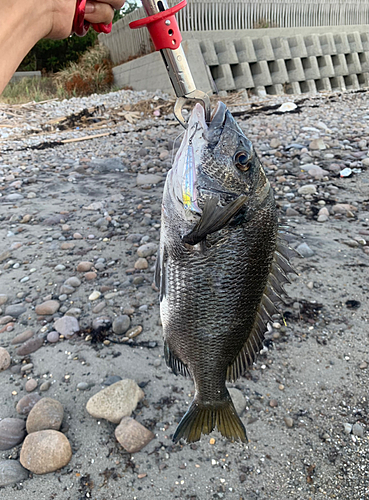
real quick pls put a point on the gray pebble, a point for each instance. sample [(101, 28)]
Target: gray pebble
[(12, 432), (288, 421), (112, 379), (67, 326), (59, 267), (121, 324), (358, 430), (67, 289), (45, 386), (99, 307), (304, 250), (53, 337), (83, 386), (15, 310), (11, 472), (73, 281), (347, 428)]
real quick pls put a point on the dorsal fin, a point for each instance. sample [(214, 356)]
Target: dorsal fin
[(273, 295)]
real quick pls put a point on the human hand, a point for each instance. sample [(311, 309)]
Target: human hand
[(97, 11)]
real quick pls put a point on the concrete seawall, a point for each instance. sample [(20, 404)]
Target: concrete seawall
[(266, 61)]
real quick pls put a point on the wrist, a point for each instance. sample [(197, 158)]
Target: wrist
[(22, 24)]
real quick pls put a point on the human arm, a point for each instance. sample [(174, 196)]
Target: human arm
[(24, 22)]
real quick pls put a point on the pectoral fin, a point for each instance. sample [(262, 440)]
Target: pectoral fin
[(213, 219)]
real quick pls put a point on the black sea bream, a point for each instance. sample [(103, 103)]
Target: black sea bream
[(220, 267)]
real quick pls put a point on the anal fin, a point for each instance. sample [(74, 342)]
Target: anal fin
[(174, 363)]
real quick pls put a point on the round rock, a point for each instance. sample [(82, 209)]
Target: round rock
[(46, 414), (121, 324), (32, 345), (15, 310), (147, 250), (4, 359), (11, 472), (31, 385), (132, 435), (53, 337), (47, 308), (45, 451), (3, 299), (12, 432), (22, 337), (67, 326), (116, 401), (73, 281), (26, 404), (141, 263), (84, 266)]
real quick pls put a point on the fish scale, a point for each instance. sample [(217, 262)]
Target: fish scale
[(217, 269)]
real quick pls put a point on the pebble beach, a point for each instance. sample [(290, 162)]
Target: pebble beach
[(87, 405)]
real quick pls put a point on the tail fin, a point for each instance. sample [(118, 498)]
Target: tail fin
[(203, 418)]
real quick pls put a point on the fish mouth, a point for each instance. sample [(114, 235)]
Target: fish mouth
[(216, 126)]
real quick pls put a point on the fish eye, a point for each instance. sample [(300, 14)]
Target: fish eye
[(242, 161)]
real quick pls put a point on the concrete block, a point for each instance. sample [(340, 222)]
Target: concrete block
[(242, 76), (337, 83), (149, 73), (364, 61), (354, 41), (263, 49), (327, 44), (278, 71), (363, 79), (276, 89), (323, 85), (223, 77), (281, 48), (352, 82), (208, 52), (295, 70), (365, 41), (19, 75), (353, 63), (292, 88), (311, 68), (260, 74), (260, 91), (325, 66), (308, 87), (342, 43), (340, 65), (226, 52), (312, 44), (297, 46), (245, 50)]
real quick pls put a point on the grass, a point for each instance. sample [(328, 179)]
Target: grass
[(92, 74)]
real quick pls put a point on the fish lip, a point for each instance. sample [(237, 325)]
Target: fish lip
[(217, 124)]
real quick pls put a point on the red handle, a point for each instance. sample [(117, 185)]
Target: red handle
[(163, 27), (80, 26)]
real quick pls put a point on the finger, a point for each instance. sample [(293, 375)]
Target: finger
[(116, 4), (99, 12)]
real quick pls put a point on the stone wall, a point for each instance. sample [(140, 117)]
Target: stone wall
[(268, 61)]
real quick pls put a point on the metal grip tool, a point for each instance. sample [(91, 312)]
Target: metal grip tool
[(165, 34)]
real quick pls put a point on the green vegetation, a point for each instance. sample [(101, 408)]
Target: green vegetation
[(51, 56), (92, 73)]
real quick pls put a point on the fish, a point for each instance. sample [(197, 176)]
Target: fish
[(221, 267)]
